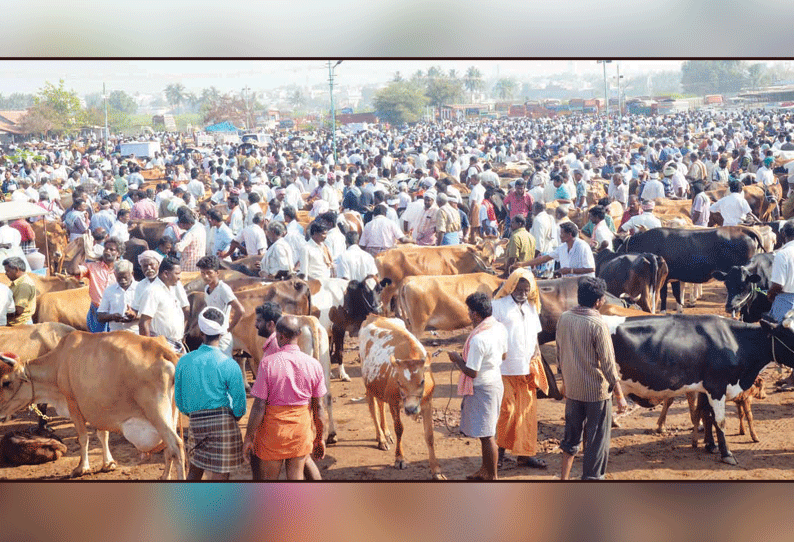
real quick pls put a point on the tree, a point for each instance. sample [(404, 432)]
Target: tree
[(443, 90), (758, 75), (434, 72), (397, 77), (228, 107), (505, 88), (54, 109), (297, 99), (175, 94), (37, 121), (192, 101), (473, 80), (209, 95), (16, 101), (709, 76), (123, 102), (399, 102), (453, 73)]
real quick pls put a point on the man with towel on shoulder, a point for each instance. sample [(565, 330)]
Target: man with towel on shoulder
[(517, 305), (209, 388)]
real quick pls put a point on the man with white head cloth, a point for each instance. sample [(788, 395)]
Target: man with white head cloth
[(209, 388)]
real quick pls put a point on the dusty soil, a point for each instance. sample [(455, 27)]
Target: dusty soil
[(637, 453)]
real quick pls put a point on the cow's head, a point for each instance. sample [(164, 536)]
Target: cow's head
[(782, 336), (410, 375), (16, 390), (363, 298), (492, 248), (740, 284), (480, 265)]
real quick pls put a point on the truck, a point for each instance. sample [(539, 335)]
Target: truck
[(140, 148), (713, 99)]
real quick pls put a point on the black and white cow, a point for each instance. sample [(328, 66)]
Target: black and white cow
[(661, 357), (692, 255), (746, 285)]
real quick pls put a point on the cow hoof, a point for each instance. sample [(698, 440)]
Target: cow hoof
[(401, 464), (389, 438), (383, 446), (439, 476), (729, 459), (710, 448), (756, 439), (109, 467), (660, 430), (331, 439), (79, 471)]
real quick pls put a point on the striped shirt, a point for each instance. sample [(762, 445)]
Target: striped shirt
[(585, 355)]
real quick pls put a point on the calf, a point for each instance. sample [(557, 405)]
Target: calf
[(660, 358), (360, 300), (396, 370), (638, 276), (68, 307), (26, 448), (747, 286)]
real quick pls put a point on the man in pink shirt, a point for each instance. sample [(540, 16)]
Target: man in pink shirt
[(143, 208), (518, 201), (100, 275), (288, 394)]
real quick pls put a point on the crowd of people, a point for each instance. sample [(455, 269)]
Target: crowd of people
[(431, 184)]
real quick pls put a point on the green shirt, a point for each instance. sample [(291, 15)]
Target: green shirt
[(24, 291), (521, 245), (120, 186)]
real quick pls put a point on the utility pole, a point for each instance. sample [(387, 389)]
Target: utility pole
[(333, 110), (606, 92), (247, 115), (620, 107), (107, 134)]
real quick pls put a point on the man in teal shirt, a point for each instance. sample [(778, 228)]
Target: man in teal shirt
[(209, 388), (120, 185)]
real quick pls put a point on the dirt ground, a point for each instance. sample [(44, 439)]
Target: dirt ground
[(637, 453)]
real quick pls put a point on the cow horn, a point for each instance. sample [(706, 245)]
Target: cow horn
[(8, 361)]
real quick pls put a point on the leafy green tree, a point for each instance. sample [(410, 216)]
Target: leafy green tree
[(209, 95), (443, 90), (175, 94), (505, 88), (123, 102), (397, 77), (434, 72), (60, 107), (710, 76), (16, 101), (400, 102), (473, 80), (297, 99), (758, 75)]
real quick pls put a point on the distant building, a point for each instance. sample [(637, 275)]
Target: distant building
[(10, 125)]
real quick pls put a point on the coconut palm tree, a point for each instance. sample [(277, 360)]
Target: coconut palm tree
[(175, 94), (473, 80)]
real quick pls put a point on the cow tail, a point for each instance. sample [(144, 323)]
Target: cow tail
[(402, 306), (654, 280)]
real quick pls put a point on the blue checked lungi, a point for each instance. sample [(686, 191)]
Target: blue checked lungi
[(94, 325)]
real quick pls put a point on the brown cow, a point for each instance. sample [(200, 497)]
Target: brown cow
[(149, 230), (438, 302), (49, 284), (68, 307), (235, 280), (56, 242), (396, 370), (27, 448), (412, 260), (115, 381)]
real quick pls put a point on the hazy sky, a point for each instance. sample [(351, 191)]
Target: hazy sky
[(150, 76)]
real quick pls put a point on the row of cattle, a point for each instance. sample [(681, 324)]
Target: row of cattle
[(422, 301)]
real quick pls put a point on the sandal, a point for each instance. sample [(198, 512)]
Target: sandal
[(532, 462)]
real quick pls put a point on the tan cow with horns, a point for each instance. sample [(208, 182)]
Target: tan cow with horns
[(115, 381)]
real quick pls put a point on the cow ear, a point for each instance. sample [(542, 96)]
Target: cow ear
[(385, 282), (754, 278), (719, 275), (767, 326)]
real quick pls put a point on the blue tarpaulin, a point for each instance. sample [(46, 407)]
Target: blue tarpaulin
[(224, 126)]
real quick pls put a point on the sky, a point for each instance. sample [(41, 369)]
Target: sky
[(152, 76)]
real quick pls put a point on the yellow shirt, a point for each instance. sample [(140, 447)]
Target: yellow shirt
[(24, 291), (521, 245)]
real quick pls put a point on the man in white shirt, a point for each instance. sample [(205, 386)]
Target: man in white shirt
[(253, 208), (733, 207), (7, 305), (278, 261), (653, 188), (164, 307), (643, 221), (517, 428), (380, 233), (573, 254), (602, 235), (316, 261), (116, 305), (354, 263), (544, 230), (252, 237), (781, 290), (488, 177)]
